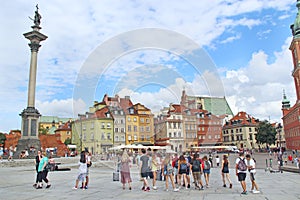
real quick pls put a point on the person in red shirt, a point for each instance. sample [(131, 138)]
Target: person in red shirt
[(290, 157)]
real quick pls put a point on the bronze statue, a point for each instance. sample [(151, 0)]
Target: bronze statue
[(37, 17)]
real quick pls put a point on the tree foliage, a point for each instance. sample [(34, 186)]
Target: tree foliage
[(68, 141), (43, 131), (266, 133), (2, 138)]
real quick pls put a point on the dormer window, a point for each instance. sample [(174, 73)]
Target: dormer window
[(107, 115), (131, 111)]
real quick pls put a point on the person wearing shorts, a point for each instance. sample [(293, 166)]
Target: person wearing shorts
[(144, 165), (251, 168), (241, 174), (196, 168), (182, 171)]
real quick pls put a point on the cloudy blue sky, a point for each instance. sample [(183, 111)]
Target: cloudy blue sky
[(90, 44)]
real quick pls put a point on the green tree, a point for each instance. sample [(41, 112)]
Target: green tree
[(2, 138), (68, 141), (266, 133), (43, 131)]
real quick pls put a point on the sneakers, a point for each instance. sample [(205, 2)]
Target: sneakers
[(74, 188), (154, 188), (255, 191), (86, 187), (230, 186), (48, 186), (166, 190), (224, 185), (202, 188), (244, 193), (147, 189), (188, 186), (143, 188), (176, 190), (39, 187)]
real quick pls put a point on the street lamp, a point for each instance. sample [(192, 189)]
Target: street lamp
[(278, 129)]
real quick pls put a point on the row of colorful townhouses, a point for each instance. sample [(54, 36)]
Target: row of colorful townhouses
[(195, 121)]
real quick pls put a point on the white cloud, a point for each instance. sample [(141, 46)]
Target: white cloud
[(61, 108), (76, 28), (262, 93)]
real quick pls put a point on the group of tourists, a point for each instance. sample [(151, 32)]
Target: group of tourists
[(43, 165), (85, 163), (175, 170), (41, 161), (179, 170), (244, 164)]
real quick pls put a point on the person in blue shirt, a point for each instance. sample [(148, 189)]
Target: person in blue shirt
[(43, 172)]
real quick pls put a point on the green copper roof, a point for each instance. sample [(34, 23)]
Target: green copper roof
[(296, 26), (217, 105), (52, 130), (49, 119)]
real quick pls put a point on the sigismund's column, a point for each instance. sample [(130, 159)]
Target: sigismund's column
[(30, 115)]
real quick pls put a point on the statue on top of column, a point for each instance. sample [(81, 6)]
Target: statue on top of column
[(37, 17)]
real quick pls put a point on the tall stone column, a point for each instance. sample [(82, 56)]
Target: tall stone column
[(30, 115)]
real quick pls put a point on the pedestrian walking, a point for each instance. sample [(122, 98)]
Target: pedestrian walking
[(88, 164), (82, 171), (154, 168), (225, 171), (251, 168), (175, 168), (138, 162), (167, 172), (10, 153), (217, 160), (1, 153), (37, 159), (43, 172), (144, 165), (241, 171), (197, 171), (188, 159), (206, 170), (125, 170), (182, 171)]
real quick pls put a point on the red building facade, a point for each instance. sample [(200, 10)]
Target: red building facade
[(291, 115)]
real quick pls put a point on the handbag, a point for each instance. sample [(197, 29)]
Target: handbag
[(48, 167)]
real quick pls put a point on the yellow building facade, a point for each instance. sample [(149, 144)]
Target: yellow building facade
[(139, 125)]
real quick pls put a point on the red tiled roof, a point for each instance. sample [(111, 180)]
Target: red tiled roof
[(101, 113), (125, 104), (65, 127), (245, 119)]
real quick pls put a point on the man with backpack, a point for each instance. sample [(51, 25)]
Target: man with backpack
[(175, 168), (196, 168), (241, 171)]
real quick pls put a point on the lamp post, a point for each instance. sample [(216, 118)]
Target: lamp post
[(278, 129)]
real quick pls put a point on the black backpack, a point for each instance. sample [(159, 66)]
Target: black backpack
[(196, 165)]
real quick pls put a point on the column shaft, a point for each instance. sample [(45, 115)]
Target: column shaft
[(32, 79)]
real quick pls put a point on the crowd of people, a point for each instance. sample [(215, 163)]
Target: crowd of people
[(181, 171), (185, 170)]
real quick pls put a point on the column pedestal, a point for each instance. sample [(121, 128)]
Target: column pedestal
[(30, 131)]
